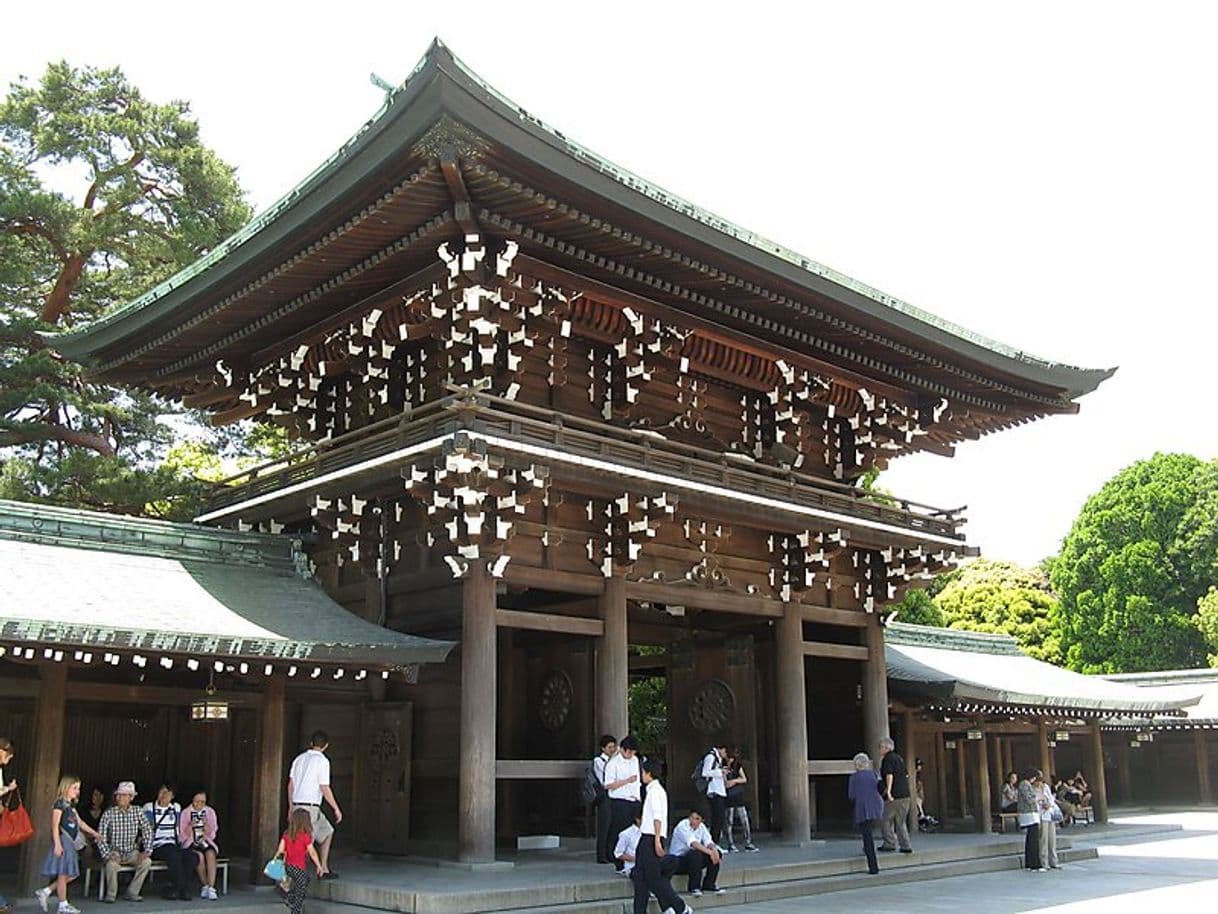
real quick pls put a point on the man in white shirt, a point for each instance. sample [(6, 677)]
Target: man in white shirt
[(627, 847), (623, 783), (697, 854), (715, 773), (652, 871), (604, 815), (308, 785)]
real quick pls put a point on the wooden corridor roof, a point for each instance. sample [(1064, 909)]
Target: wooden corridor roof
[(447, 154), (83, 580)]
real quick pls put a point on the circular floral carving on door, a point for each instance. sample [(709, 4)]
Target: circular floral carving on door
[(712, 707), (556, 697)]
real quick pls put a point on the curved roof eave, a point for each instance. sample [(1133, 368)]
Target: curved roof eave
[(442, 84)]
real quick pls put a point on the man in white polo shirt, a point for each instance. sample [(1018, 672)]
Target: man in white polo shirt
[(653, 868), (697, 854), (308, 784)]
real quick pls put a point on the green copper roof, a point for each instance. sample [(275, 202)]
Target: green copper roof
[(79, 579), (82, 344)]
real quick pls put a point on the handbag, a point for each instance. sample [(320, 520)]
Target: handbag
[(274, 870), (15, 825), (1055, 814)]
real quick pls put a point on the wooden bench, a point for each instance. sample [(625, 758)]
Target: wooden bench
[(1007, 818), (158, 866)]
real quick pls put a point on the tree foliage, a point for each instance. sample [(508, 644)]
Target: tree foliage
[(1207, 621), (1141, 555), (103, 193), (991, 596)]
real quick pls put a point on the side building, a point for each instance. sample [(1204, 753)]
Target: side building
[(556, 413)]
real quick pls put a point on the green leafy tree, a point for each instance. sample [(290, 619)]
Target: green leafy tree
[(1141, 555), (1207, 621), (103, 193), (991, 596)]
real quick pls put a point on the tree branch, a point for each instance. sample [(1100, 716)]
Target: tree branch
[(58, 433)]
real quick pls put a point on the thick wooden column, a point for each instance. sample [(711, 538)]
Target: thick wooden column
[(612, 661), (961, 782), (875, 688), (984, 799), (1008, 757), (997, 775), (1043, 750), (910, 750), (46, 759), (940, 777), (1124, 781), (269, 793), (476, 767), (1099, 783), (792, 726), (1205, 789)]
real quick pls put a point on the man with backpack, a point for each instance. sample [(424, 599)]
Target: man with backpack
[(709, 777), (594, 794)]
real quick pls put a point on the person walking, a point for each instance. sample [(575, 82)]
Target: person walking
[(623, 781), (653, 868), (124, 839), (62, 864), (1028, 810), (162, 814), (296, 848), (1050, 815), (895, 778), (308, 785), (863, 791), (604, 812)]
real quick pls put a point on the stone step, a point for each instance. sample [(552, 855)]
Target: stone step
[(744, 886)]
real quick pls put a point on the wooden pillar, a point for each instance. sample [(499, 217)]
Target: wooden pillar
[(476, 767), (1124, 781), (910, 750), (612, 662), (1043, 750), (1205, 789), (984, 800), (46, 759), (269, 792), (961, 783), (792, 726), (875, 689), (1008, 757), (1099, 784), (997, 775), (940, 777)]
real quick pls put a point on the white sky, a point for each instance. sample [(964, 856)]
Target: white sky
[(1043, 173)]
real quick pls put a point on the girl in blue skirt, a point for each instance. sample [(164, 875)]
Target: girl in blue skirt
[(62, 864)]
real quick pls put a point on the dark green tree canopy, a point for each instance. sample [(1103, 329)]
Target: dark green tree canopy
[(103, 193), (1142, 553)]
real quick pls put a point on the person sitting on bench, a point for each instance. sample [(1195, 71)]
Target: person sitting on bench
[(162, 814), (124, 839)]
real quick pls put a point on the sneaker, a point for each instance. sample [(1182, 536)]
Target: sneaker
[(330, 875), (68, 908), (1042, 870), (907, 850), (203, 892), (129, 897), (211, 893), (751, 848), (697, 893), (41, 896)]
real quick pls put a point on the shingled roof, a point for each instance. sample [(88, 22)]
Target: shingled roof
[(84, 580)]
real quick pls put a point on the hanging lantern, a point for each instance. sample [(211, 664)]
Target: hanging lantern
[(209, 709)]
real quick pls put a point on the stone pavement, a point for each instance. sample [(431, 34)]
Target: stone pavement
[(1175, 871)]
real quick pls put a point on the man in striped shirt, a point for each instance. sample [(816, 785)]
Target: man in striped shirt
[(163, 814)]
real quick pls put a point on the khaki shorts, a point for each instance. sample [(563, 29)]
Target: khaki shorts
[(322, 829)]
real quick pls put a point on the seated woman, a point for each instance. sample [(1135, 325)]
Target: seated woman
[(737, 807), (1065, 795), (1010, 793), (197, 830), (91, 812), (1080, 784)]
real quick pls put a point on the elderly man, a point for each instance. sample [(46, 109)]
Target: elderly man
[(894, 778), (698, 857), (124, 839)]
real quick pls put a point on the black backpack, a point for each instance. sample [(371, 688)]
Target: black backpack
[(700, 782), (590, 788)]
